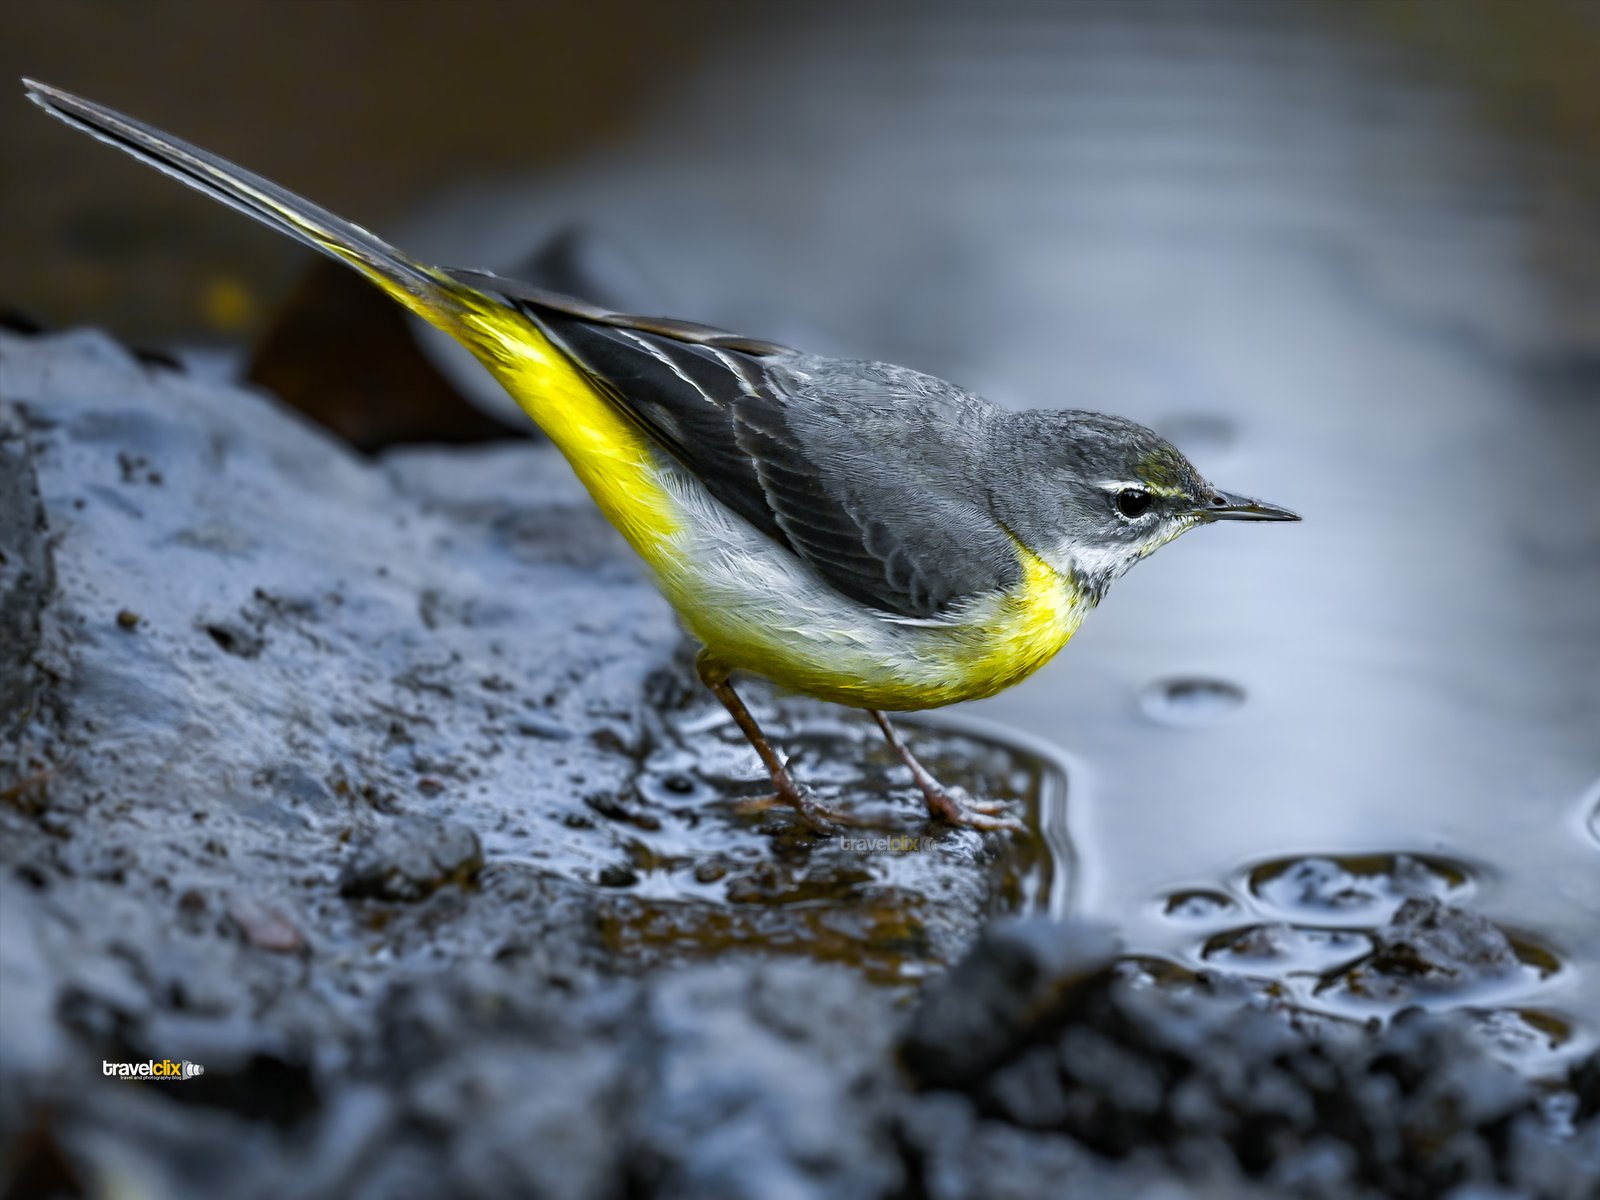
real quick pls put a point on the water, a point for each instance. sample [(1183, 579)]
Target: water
[(1307, 257)]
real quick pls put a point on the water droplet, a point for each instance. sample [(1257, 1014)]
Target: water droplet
[(1190, 702), (1197, 905), (671, 789)]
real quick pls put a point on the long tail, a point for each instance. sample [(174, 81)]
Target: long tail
[(425, 290), (486, 314)]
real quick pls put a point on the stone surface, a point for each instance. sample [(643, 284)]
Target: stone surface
[(304, 745), (410, 858), (25, 573), (1229, 1095)]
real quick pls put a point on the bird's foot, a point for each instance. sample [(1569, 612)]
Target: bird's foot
[(947, 804), (812, 813), (953, 805)]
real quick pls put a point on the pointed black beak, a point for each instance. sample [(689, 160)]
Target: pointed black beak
[(1223, 506)]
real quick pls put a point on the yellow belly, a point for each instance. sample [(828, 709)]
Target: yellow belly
[(836, 650), (752, 604)]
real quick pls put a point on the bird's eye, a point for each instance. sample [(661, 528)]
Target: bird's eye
[(1132, 503)]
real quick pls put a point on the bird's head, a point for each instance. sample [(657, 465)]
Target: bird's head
[(1093, 494)]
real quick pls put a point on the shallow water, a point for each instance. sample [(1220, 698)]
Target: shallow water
[(1306, 256), (706, 867)]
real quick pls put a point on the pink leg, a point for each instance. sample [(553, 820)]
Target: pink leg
[(944, 803)]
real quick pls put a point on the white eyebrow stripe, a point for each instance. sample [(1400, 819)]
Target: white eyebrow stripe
[(661, 356), (1129, 485)]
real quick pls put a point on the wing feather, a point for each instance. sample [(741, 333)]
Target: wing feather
[(824, 467)]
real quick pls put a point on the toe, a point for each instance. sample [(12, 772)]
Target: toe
[(987, 808), (819, 819), (957, 808), (984, 821), (994, 824), (758, 804), (816, 815)]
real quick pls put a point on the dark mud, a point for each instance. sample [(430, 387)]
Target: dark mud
[(380, 792)]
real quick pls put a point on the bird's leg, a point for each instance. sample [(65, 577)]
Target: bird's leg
[(796, 795), (949, 804)]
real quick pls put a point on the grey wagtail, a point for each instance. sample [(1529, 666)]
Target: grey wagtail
[(854, 531)]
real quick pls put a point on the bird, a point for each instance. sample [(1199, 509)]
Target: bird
[(855, 531)]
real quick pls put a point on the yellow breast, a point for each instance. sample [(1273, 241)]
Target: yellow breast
[(1029, 627)]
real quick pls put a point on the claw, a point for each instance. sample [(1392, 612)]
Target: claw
[(954, 806)]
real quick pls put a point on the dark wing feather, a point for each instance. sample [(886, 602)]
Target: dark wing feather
[(838, 472)]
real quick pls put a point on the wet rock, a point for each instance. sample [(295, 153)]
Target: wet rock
[(289, 695), (1020, 971), (411, 857), (1429, 938), (520, 1119), (25, 573), (1586, 1086), (715, 1081), (265, 927), (1353, 885), (767, 1084), (1430, 946), (956, 1154), (31, 1040), (1229, 1095)]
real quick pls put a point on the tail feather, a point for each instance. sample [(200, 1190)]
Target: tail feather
[(424, 289), (493, 318)]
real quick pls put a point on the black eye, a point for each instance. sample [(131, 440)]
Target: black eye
[(1132, 503)]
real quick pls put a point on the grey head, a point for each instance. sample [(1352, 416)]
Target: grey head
[(1093, 494)]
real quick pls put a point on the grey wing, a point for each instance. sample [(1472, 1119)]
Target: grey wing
[(866, 472)]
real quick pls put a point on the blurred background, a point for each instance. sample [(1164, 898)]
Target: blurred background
[(1346, 254)]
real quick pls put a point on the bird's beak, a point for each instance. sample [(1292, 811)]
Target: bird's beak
[(1224, 506)]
